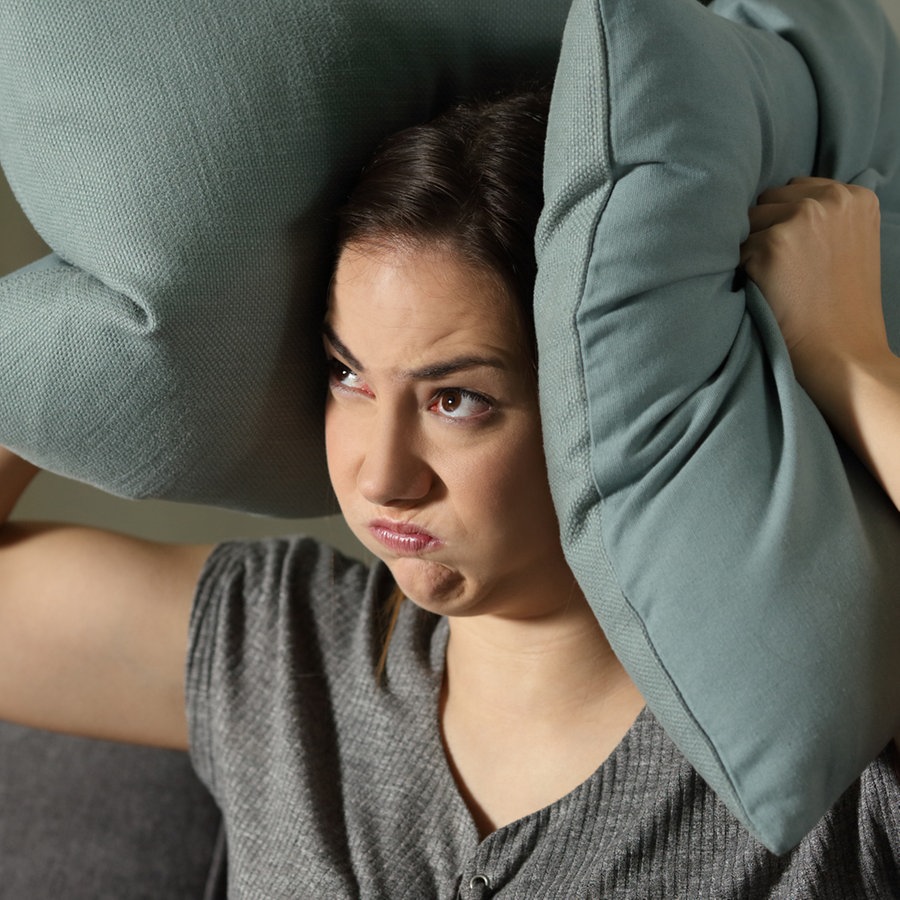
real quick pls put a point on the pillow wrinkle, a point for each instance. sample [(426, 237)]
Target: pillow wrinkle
[(189, 158), (740, 564)]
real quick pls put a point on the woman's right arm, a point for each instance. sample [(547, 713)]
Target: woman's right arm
[(814, 251), (93, 626)]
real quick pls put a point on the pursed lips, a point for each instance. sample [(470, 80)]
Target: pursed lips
[(403, 538)]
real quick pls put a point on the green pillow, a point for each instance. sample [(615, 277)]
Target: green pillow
[(744, 566), (183, 161)]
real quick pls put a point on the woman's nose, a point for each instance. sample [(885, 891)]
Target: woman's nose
[(393, 470)]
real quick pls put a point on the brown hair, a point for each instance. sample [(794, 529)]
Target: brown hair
[(470, 179)]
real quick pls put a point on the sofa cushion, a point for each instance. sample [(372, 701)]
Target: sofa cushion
[(91, 820)]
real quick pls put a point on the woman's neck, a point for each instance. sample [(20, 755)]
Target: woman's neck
[(530, 708), (539, 667)]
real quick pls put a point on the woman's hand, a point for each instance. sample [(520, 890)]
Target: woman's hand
[(814, 251)]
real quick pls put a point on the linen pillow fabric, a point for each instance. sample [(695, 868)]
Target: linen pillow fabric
[(743, 565), (184, 161)]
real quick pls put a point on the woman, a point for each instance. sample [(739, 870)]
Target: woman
[(497, 747)]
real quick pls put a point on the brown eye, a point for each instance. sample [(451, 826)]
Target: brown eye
[(456, 403), (338, 370), (342, 376), (451, 401)]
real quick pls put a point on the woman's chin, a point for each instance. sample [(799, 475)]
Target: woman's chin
[(432, 586)]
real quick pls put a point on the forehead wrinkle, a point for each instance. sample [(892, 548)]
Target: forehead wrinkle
[(452, 366), (399, 276), (428, 372)]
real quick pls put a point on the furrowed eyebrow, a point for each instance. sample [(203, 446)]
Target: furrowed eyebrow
[(341, 347), (451, 366), (425, 373)]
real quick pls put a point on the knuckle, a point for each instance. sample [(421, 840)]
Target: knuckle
[(811, 209), (866, 204), (867, 199), (837, 194)]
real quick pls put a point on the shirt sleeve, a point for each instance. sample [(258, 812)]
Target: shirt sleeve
[(272, 624)]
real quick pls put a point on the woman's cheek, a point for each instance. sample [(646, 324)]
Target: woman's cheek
[(338, 449)]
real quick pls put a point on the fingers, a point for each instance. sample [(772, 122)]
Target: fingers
[(781, 204), (750, 251), (824, 190), (796, 189), (768, 214), (812, 197)]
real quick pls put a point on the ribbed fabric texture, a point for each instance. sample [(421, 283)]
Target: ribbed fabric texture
[(332, 785)]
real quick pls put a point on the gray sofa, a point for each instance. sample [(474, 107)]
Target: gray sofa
[(91, 820)]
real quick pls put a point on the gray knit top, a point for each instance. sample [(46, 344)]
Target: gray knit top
[(333, 785)]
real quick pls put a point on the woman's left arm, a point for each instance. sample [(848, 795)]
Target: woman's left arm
[(814, 251)]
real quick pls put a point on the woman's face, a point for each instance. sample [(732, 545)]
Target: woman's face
[(433, 433)]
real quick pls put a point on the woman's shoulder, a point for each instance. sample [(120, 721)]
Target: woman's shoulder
[(287, 591), (297, 565)]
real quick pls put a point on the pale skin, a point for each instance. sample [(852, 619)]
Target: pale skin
[(93, 627)]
